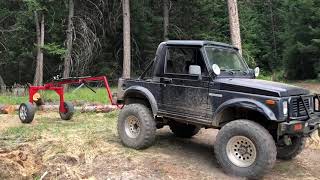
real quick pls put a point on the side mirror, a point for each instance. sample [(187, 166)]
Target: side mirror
[(195, 70), (256, 71), (216, 69)]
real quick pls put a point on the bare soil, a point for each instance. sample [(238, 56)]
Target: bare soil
[(313, 87), (7, 121)]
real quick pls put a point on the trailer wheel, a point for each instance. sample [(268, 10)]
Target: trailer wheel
[(70, 110), (136, 126), (26, 112), (245, 148)]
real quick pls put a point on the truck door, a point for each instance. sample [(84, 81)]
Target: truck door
[(184, 94)]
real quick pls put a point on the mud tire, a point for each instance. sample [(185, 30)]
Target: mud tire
[(262, 140), (147, 126)]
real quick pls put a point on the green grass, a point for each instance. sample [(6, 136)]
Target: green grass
[(5, 99), (265, 77), (82, 125), (80, 95), (279, 77)]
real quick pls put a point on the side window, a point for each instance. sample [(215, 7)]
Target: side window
[(179, 59)]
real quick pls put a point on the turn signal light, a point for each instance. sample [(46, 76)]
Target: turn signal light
[(297, 127), (271, 102)]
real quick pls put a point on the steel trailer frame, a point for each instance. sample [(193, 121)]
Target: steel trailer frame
[(57, 86)]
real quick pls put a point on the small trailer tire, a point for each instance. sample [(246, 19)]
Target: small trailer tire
[(70, 111), (26, 112)]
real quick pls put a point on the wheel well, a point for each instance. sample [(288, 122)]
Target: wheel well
[(235, 113), (136, 97)]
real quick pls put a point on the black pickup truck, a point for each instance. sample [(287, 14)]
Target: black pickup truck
[(203, 84)]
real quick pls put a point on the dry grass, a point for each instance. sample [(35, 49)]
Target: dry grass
[(86, 148), (61, 143)]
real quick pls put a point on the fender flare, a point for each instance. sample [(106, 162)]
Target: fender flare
[(145, 93), (248, 104)]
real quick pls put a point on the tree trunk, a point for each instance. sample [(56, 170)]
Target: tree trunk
[(165, 19), (38, 78), (2, 85), (274, 42), (68, 57), (234, 24), (126, 39)]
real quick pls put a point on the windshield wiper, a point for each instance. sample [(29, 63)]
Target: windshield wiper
[(232, 71)]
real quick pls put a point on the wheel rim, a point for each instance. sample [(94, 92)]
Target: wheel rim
[(241, 151), (132, 126), (23, 112)]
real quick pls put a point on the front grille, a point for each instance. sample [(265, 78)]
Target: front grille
[(297, 107)]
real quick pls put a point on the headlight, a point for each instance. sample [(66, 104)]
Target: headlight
[(285, 107), (316, 105)]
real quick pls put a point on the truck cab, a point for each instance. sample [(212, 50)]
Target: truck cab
[(204, 84)]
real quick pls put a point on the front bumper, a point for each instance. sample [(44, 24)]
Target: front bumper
[(300, 127)]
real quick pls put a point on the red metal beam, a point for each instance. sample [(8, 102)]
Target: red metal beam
[(57, 87)]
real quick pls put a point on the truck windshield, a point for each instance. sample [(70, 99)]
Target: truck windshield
[(226, 59)]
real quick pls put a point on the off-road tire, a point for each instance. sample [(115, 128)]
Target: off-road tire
[(70, 111), (183, 130), (264, 144), (147, 125), (26, 112), (289, 152)]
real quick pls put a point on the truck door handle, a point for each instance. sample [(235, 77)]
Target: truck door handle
[(167, 80)]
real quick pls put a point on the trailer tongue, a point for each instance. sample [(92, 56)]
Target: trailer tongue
[(66, 109)]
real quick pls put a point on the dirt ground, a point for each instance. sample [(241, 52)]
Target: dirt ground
[(55, 149), (313, 87), (88, 147)]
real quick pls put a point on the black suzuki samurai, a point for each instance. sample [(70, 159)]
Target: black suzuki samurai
[(203, 84)]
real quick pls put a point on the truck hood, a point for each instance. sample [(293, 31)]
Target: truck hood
[(261, 87)]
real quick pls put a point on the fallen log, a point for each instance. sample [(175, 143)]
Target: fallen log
[(98, 109), (11, 109), (82, 109), (7, 109)]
